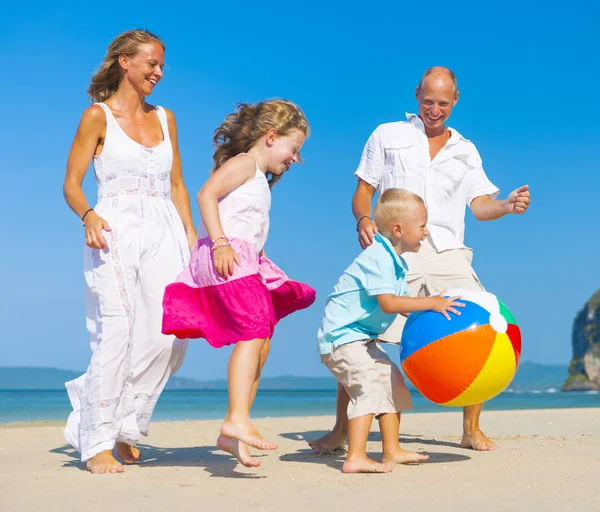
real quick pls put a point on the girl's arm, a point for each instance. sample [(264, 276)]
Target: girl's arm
[(233, 173), (90, 133), (179, 194)]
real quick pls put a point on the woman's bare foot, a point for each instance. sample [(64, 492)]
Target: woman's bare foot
[(238, 449), (401, 456), (365, 465), (128, 454), (247, 434), (477, 440), (104, 462), (332, 443)]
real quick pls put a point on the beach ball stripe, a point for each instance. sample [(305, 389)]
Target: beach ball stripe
[(464, 361)]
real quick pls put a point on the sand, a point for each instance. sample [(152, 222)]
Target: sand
[(548, 460)]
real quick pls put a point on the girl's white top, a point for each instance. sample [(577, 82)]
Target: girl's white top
[(244, 212)]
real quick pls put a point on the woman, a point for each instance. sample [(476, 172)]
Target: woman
[(137, 240)]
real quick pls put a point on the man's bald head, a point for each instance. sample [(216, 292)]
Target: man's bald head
[(437, 93), (439, 73)]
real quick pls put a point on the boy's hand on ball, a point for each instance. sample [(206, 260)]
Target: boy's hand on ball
[(445, 305)]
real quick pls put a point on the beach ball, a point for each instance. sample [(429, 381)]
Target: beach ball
[(466, 360)]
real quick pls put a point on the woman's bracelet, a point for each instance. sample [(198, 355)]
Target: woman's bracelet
[(83, 216), (363, 217)]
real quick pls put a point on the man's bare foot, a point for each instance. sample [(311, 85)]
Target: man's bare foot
[(104, 462), (477, 440), (128, 454), (401, 456), (365, 465), (247, 434), (238, 449), (332, 443)]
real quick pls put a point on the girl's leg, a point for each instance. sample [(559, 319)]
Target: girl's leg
[(237, 448), (242, 374), (357, 460), (389, 425)]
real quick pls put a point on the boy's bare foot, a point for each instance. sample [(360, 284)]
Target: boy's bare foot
[(128, 454), (247, 434), (238, 449), (332, 443), (365, 465), (404, 457), (104, 462), (477, 440)]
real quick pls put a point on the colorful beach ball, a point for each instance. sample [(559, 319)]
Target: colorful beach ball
[(466, 360)]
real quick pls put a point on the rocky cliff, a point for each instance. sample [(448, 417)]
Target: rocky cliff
[(584, 370)]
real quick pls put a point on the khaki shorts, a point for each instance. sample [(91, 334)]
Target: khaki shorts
[(373, 382), (431, 272)]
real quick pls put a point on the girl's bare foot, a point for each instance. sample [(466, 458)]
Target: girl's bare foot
[(104, 462), (365, 465), (401, 456), (247, 434), (238, 449), (477, 440), (332, 443), (128, 454)]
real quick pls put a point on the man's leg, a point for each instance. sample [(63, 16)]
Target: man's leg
[(336, 439), (452, 269)]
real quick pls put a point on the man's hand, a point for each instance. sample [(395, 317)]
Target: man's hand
[(366, 231), (518, 200)]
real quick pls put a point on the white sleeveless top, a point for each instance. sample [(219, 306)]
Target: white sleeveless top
[(244, 212), (126, 168)]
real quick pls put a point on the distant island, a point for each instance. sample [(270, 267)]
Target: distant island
[(530, 377), (584, 370)]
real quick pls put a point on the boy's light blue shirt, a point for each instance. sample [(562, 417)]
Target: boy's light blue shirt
[(352, 312)]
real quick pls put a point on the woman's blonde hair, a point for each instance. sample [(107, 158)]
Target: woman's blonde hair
[(106, 80), (242, 128), (391, 206)]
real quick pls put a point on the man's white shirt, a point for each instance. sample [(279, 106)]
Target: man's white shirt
[(397, 156)]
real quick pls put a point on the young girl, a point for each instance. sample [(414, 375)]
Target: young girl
[(231, 293)]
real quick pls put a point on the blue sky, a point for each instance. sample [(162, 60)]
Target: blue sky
[(529, 87)]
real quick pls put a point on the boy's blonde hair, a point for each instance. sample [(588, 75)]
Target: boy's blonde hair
[(391, 206)]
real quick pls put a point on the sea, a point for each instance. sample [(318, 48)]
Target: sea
[(179, 404)]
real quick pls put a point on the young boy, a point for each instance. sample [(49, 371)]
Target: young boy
[(365, 301)]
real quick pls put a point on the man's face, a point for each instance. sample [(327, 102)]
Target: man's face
[(436, 98)]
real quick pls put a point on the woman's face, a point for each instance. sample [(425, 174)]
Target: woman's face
[(145, 69)]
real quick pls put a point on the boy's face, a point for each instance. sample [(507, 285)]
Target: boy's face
[(412, 228)]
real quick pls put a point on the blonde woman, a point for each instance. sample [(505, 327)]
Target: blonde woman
[(137, 239)]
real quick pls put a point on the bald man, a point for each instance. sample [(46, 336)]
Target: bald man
[(437, 163)]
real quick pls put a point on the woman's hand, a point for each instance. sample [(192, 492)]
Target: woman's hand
[(94, 225)]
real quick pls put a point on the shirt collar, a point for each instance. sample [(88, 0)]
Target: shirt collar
[(398, 260), (416, 121)]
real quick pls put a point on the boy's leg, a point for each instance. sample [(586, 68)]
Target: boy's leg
[(357, 460), (355, 368), (389, 426)]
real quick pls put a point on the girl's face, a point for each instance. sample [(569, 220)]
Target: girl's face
[(283, 150), (145, 69)]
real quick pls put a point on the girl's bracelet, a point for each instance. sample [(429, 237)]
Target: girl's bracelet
[(213, 242), (214, 247)]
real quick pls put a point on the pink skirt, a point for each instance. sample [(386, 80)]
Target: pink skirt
[(248, 305)]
